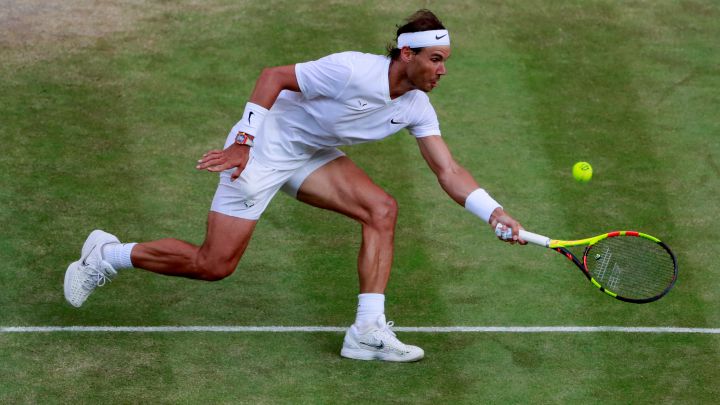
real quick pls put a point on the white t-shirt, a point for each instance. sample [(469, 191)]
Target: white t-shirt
[(344, 100)]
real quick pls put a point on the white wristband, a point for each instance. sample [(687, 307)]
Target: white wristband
[(252, 118), (481, 204)]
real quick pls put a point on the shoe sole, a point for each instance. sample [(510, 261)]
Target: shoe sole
[(68, 283), (361, 354)]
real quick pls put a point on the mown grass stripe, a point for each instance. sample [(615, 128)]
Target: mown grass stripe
[(310, 329)]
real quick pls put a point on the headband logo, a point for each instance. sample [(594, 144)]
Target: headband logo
[(423, 39)]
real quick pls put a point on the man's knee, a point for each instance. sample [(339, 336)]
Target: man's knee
[(226, 241), (383, 212), (210, 269)]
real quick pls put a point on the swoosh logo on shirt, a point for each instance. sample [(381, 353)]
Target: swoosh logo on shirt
[(440, 37), (250, 117), (392, 121)]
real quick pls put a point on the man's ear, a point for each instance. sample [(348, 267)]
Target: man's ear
[(406, 54)]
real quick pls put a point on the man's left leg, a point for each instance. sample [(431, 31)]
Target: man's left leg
[(343, 187)]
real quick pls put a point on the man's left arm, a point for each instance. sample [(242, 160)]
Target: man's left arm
[(460, 185)]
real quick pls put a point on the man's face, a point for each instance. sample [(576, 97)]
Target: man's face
[(425, 68)]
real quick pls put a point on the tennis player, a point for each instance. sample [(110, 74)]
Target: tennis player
[(287, 139)]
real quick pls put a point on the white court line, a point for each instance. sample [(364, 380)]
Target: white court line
[(425, 329)]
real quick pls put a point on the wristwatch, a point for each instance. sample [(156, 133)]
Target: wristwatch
[(243, 138)]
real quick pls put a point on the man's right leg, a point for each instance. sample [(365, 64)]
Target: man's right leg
[(235, 210), (225, 242)]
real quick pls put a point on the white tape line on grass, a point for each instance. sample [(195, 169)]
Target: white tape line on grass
[(429, 329)]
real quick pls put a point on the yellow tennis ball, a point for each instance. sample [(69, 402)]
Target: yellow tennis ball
[(582, 171)]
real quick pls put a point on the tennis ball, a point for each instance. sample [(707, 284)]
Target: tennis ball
[(582, 171)]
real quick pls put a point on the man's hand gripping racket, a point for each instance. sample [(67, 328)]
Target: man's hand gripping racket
[(627, 265)]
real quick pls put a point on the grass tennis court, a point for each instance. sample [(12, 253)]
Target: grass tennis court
[(105, 107)]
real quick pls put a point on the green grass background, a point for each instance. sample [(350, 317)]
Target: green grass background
[(105, 135)]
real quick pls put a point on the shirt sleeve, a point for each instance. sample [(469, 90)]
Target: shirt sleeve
[(426, 123), (325, 77)]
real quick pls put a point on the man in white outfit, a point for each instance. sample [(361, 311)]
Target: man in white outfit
[(287, 139)]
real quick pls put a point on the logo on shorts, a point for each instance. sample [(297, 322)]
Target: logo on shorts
[(392, 121), (249, 203)]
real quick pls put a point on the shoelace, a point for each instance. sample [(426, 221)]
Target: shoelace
[(388, 327), (394, 342), (97, 279)]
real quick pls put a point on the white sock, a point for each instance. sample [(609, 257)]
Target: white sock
[(370, 307), (118, 255)]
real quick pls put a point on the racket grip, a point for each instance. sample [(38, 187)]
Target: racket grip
[(534, 238), (524, 235)]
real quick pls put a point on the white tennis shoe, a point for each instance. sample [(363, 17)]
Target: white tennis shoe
[(91, 271), (379, 343)]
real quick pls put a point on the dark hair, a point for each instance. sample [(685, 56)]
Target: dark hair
[(421, 20)]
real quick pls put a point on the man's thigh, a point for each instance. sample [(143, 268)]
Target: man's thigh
[(318, 160), (226, 239), (343, 187)]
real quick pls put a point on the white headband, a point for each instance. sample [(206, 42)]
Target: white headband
[(423, 39)]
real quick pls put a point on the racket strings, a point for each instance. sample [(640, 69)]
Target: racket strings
[(632, 267)]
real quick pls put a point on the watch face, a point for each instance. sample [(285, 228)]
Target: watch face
[(244, 139)]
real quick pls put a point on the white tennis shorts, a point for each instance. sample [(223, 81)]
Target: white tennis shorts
[(249, 195)]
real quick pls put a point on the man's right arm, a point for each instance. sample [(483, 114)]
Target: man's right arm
[(271, 82), (268, 86)]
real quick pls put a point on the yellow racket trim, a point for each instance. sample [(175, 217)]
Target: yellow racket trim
[(595, 239), (568, 243)]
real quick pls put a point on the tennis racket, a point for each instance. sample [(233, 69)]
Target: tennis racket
[(627, 265)]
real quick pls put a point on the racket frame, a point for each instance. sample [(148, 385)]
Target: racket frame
[(561, 246)]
